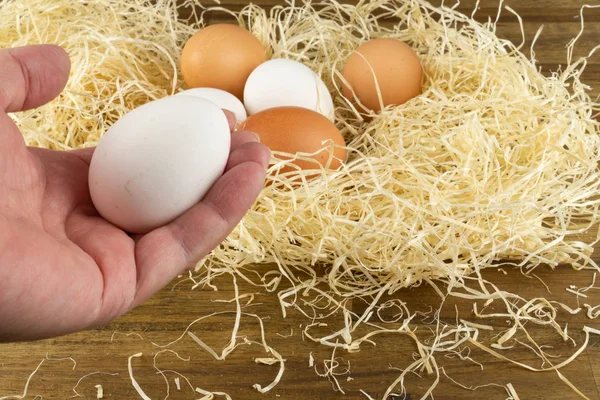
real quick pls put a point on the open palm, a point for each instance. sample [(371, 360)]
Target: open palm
[(63, 268)]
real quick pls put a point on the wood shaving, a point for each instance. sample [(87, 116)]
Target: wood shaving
[(100, 392), (134, 383), (63, 359), (22, 396), (88, 375)]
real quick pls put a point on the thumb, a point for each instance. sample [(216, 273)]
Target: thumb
[(32, 76)]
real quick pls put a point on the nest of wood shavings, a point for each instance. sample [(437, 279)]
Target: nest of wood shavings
[(493, 161)]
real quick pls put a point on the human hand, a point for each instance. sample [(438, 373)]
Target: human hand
[(63, 268)]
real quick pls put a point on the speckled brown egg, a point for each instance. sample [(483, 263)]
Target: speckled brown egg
[(221, 56), (387, 63), (292, 130)]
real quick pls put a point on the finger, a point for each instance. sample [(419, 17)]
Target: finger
[(32, 76), (231, 119), (248, 151), (84, 154), (238, 138), (170, 250)]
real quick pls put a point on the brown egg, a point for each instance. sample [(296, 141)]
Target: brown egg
[(292, 129), (221, 56), (388, 63)]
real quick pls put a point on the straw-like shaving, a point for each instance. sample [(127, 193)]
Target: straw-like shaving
[(26, 388), (134, 382), (100, 392), (88, 375)]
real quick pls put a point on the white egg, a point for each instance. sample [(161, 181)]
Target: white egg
[(325, 106), (221, 98), (282, 82), (157, 161)]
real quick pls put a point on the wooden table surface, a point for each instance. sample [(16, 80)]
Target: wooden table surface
[(165, 317)]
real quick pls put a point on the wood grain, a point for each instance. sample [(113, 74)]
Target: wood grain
[(164, 317)]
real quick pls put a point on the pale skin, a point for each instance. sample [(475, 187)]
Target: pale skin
[(63, 268)]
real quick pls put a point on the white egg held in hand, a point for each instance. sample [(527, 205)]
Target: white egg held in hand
[(282, 82), (158, 161), (221, 98)]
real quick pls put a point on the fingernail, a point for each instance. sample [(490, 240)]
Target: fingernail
[(257, 137)]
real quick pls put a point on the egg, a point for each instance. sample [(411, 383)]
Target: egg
[(291, 129), (221, 56), (157, 161), (282, 82), (221, 98), (387, 63)]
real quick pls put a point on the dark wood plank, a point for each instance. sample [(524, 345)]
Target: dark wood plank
[(552, 10), (164, 317)]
